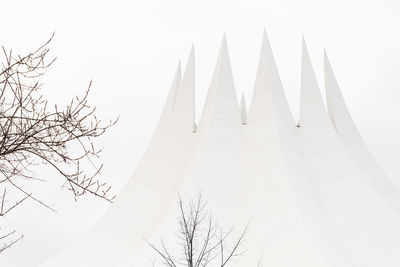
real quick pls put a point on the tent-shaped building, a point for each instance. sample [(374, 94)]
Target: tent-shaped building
[(315, 195)]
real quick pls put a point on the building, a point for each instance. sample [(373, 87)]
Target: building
[(313, 192)]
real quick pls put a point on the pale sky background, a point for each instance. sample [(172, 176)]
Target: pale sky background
[(131, 49)]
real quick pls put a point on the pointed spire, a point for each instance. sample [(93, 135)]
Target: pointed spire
[(176, 82), (224, 38), (267, 82), (311, 104), (329, 77), (337, 108), (167, 112), (173, 91), (243, 110), (222, 58), (221, 99), (306, 61), (327, 64), (184, 102), (347, 131), (332, 90), (188, 76)]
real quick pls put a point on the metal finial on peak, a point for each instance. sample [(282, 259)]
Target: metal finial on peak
[(243, 110)]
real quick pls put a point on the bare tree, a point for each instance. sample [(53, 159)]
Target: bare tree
[(34, 132), (202, 241)]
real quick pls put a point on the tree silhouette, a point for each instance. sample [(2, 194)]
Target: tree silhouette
[(202, 241), (33, 132)]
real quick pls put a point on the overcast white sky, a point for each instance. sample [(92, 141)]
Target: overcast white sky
[(131, 49)]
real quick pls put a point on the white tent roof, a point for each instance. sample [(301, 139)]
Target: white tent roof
[(314, 193)]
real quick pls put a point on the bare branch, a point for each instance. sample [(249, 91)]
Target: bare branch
[(32, 133), (203, 240), (7, 242)]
